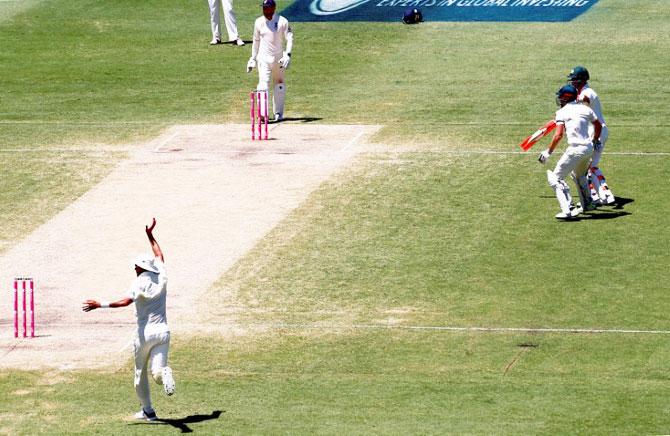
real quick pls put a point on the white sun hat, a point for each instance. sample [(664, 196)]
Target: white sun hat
[(146, 262)]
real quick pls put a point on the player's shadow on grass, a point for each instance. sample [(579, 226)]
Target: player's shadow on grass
[(303, 119), (182, 423), (233, 43), (604, 212), (597, 215), (616, 210), (621, 202)]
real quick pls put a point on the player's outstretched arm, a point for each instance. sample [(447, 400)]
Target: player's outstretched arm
[(90, 305), (154, 245)]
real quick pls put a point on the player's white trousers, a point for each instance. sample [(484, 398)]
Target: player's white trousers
[(151, 353), (228, 16), (272, 72), (600, 192), (575, 160)]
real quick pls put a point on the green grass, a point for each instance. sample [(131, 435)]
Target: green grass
[(422, 238), (427, 237), (381, 382), (38, 184)]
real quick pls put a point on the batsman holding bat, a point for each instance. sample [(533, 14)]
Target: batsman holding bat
[(573, 120), (148, 291)]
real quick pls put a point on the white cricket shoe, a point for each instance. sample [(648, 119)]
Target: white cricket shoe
[(239, 42), (215, 41), (168, 381), (570, 215), (278, 117), (146, 415), (610, 200)]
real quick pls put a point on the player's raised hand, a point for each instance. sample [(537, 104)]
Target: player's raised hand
[(150, 229)]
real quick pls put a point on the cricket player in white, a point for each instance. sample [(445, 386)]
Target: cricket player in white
[(572, 119), (600, 192), (152, 342), (270, 31), (230, 20)]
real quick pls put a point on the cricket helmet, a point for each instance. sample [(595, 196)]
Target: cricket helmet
[(412, 16), (566, 94), (580, 74)]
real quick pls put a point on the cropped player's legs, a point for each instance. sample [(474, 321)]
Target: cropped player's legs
[(279, 93), (562, 192), (600, 186), (580, 176), (600, 191), (214, 7), (264, 76), (582, 183), (575, 159), (158, 358), (231, 21), (141, 382)]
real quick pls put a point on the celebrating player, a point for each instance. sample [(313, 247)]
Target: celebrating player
[(572, 119), (148, 291), (600, 192), (268, 53)]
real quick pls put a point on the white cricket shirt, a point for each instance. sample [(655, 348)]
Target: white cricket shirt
[(594, 101), (149, 292), (577, 118), (268, 38)]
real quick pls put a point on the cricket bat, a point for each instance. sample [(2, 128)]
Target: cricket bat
[(540, 133)]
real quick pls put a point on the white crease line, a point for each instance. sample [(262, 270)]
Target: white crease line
[(82, 123), (471, 329), (494, 152), (67, 150), (370, 150), (161, 123), (641, 153), (353, 141), (165, 142)]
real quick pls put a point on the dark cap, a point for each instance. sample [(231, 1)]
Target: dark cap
[(268, 3), (579, 73), (567, 93)]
